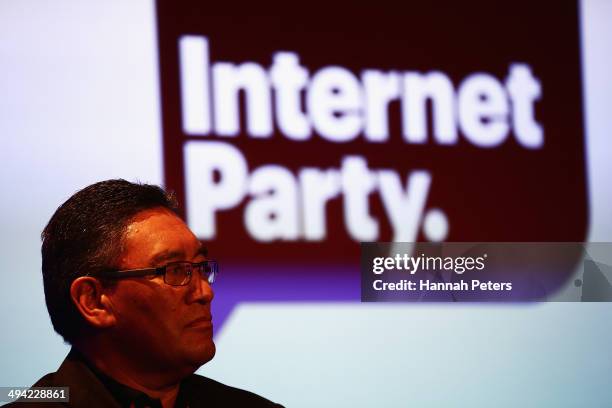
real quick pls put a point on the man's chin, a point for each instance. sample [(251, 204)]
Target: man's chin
[(201, 354)]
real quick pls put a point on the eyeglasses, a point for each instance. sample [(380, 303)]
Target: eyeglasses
[(175, 273)]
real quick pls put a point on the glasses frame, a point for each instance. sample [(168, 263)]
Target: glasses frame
[(161, 270)]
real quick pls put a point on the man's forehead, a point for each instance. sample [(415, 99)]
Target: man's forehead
[(158, 234), (155, 221), (148, 213)]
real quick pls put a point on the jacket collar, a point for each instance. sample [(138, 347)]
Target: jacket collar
[(85, 389)]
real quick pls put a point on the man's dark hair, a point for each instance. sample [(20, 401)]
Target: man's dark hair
[(85, 235)]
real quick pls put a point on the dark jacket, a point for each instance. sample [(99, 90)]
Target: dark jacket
[(86, 390)]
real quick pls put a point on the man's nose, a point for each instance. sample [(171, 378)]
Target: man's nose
[(202, 291)]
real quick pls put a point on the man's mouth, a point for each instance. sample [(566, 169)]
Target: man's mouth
[(201, 322)]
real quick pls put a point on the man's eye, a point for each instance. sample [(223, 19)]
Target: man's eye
[(177, 271)]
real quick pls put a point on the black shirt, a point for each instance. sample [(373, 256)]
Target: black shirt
[(123, 394)]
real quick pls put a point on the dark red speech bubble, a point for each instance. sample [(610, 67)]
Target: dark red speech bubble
[(290, 139)]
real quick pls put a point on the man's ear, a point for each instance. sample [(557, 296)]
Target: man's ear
[(91, 301)]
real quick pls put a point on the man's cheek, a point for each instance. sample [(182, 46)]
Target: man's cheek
[(132, 307)]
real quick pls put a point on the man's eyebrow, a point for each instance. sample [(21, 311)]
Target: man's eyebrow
[(166, 255)]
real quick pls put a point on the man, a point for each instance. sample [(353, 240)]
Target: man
[(127, 284)]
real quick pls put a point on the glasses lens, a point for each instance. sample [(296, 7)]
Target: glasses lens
[(211, 271), (208, 271), (178, 274)]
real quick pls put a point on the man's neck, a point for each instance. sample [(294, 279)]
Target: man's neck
[(161, 385)]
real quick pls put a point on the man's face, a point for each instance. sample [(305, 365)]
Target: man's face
[(161, 326)]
